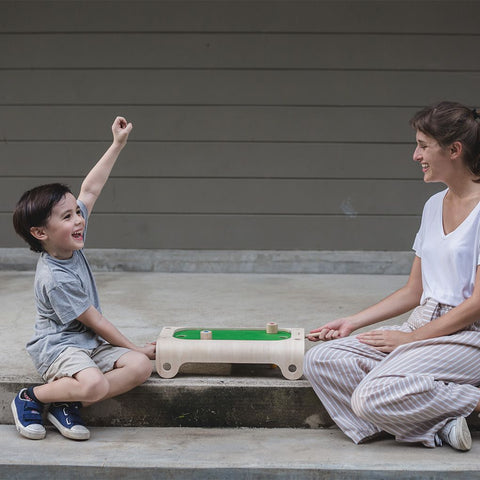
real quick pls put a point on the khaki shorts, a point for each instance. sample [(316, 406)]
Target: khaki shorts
[(72, 360)]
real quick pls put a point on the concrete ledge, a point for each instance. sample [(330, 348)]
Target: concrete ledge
[(201, 401), (228, 261), (205, 402), (233, 454)]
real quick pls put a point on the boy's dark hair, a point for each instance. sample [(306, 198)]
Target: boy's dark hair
[(449, 122), (34, 209)]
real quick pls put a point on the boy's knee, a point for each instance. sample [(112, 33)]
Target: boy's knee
[(95, 388), (145, 367), (140, 366)]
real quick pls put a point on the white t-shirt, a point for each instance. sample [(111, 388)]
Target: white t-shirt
[(449, 262)]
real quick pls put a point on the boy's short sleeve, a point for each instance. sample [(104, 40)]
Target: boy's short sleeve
[(69, 301), (84, 211)]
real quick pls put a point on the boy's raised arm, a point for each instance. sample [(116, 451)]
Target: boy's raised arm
[(98, 175)]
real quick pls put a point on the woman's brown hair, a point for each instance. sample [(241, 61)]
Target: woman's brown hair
[(449, 122)]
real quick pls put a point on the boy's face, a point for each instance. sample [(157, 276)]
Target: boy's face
[(64, 230)]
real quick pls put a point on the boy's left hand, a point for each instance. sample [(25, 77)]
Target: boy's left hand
[(121, 129), (149, 350)]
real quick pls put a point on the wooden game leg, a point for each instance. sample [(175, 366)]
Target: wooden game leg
[(168, 370), (291, 371)]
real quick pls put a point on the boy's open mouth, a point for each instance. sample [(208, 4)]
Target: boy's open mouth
[(77, 235)]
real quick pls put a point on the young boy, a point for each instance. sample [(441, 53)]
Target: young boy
[(82, 357)]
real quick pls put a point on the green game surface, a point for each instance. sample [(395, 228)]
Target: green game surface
[(194, 334)]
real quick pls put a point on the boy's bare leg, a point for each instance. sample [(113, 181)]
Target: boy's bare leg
[(131, 369), (91, 385)]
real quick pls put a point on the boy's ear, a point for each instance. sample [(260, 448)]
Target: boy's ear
[(38, 232)]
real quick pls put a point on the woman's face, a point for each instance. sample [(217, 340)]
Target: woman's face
[(433, 158)]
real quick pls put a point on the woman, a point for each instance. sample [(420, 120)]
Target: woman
[(417, 381)]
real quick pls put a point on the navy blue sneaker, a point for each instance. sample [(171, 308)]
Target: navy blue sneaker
[(66, 418), (28, 416)]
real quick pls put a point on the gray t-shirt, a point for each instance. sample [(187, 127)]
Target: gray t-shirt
[(64, 289)]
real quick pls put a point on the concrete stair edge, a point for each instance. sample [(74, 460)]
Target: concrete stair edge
[(198, 401), (183, 453)]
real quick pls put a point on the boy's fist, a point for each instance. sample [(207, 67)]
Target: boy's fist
[(121, 129)]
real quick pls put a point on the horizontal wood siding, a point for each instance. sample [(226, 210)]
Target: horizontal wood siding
[(248, 50), (232, 87), (243, 232), (214, 159), (241, 196), (296, 16), (211, 123), (257, 124)]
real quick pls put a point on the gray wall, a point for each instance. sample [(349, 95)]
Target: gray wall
[(257, 124)]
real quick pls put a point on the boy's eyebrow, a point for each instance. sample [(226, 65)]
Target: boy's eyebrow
[(68, 210)]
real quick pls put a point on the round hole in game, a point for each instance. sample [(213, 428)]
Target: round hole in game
[(292, 368), (181, 336), (167, 366)]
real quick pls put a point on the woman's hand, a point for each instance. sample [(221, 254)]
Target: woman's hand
[(342, 327), (385, 340)]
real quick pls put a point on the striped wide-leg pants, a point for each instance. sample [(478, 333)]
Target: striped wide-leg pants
[(410, 393)]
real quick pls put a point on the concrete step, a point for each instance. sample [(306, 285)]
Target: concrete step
[(186, 453), (234, 401), (261, 399)]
